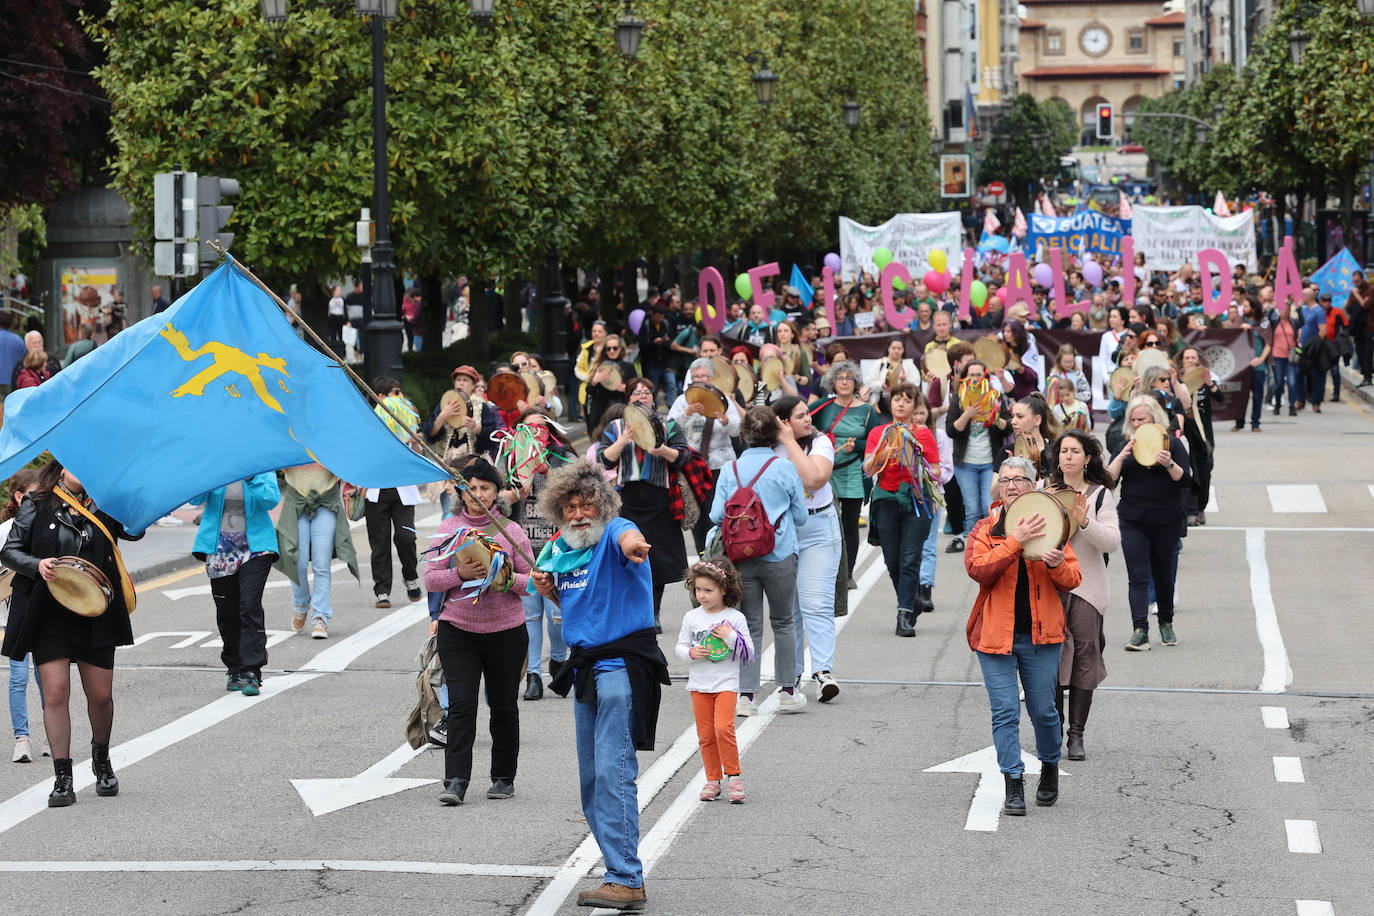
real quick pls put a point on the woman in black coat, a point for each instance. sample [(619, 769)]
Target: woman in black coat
[(48, 527)]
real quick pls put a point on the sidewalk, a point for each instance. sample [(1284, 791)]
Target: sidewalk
[(1351, 380)]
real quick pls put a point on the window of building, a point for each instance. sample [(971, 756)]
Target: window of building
[(1054, 41), (1180, 82), (1178, 47), (1135, 41)]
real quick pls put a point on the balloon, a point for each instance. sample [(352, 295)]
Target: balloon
[(978, 293), (882, 257), (698, 314), (1000, 295), (636, 320), (776, 316), (936, 281), (832, 260), (898, 283), (743, 286), (1092, 272), (937, 260), (1044, 276)]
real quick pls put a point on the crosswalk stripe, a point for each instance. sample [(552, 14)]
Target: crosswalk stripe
[(1302, 836), (1296, 498), (1274, 716), (1288, 769)]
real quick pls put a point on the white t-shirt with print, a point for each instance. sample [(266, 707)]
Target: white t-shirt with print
[(704, 675)]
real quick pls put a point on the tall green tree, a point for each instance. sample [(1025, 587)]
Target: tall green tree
[(1023, 149)]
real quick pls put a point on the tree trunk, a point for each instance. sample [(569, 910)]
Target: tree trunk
[(606, 286), (654, 271), (433, 314), (511, 295), (1348, 214), (477, 317)]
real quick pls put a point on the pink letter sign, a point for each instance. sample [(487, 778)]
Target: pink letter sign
[(711, 295), (1061, 294), (1018, 285), (1287, 282), (1127, 271), (828, 296), (1209, 260), (763, 295), (895, 319), (966, 278)]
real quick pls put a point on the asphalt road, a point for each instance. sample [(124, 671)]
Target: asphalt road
[(1186, 804)]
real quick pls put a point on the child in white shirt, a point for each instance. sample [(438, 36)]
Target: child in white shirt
[(715, 639)]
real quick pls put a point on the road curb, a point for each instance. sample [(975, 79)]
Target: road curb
[(164, 568), (1351, 380)]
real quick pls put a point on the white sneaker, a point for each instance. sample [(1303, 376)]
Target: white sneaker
[(746, 707), (23, 749), (170, 521), (1154, 609), (791, 702), (321, 629)]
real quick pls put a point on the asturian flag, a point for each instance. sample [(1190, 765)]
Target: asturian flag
[(215, 389)]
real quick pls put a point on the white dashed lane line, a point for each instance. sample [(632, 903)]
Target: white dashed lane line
[(1302, 836)]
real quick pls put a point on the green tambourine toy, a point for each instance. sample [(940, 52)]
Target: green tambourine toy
[(717, 650)]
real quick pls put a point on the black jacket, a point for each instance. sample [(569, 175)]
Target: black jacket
[(960, 436), (49, 528), (646, 666)]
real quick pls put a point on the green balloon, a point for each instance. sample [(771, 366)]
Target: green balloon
[(898, 283), (978, 293), (743, 286), (882, 257)]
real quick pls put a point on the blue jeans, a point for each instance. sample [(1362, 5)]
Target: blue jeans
[(607, 767), (536, 608), (1258, 375), (901, 533), (1285, 376), (19, 694), (1039, 668), (928, 550), (975, 483), (315, 535), (818, 563)]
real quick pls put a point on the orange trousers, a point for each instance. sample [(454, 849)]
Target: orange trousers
[(715, 715)]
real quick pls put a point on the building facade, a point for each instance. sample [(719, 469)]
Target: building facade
[(1088, 53)]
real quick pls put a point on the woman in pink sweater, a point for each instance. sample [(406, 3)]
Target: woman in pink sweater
[(1078, 466), (480, 639)]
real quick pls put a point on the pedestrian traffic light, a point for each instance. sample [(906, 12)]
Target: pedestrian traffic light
[(1104, 122), (213, 214)]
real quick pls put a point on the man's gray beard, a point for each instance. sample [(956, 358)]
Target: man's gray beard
[(580, 539)]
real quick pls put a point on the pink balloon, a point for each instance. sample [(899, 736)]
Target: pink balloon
[(936, 281), (1044, 276), (1000, 295)]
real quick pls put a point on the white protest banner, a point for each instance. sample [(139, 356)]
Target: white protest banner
[(911, 237), (1169, 237)]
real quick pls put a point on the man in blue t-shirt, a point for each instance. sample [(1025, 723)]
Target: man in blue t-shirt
[(595, 568), (12, 348)]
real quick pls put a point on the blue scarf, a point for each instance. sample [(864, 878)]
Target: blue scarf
[(558, 557)]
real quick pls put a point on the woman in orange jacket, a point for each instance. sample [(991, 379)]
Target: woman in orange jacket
[(1017, 625)]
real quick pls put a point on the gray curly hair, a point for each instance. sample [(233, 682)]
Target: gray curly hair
[(844, 365), (581, 478)]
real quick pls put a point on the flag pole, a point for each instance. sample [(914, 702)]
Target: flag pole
[(357, 380)]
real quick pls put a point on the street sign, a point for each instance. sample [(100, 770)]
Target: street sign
[(996, 188)]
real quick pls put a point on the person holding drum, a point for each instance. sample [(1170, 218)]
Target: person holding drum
[(921, 419), (890, 371), (847, 418), (904, 462), (646, 452), (1035, 429), (482, 640), (589, 351), (606, 378), (1017, 627), (818, 542), (977, 422), (1197, 429), (1153, 468), (1079, 471), (71, 603), (709, 420), (461, 423)]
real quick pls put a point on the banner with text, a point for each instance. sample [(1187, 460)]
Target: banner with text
[(1089, 231), (1169, 237), (911, 237)]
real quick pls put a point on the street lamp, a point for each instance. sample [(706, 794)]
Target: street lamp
[(1367, 8), (764, 80), (850, 107), (384, 9), (1297, 43), (937, 145), (274, 11), (629, 28), (481, 11)]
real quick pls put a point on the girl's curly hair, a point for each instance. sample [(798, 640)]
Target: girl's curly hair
[(722, 572)]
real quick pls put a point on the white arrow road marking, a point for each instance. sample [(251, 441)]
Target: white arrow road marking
[(325, 795), (1277, 672), (273, 637), (992, 790), (192, 637), (337, 657)]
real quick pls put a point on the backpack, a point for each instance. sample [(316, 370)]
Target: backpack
[(746, 531)]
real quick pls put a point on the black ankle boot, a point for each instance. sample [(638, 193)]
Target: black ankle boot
[(455, 790), (1015, 804), (906, 622), (1047, 793), (927, 602), (62, 793), (534, 686), (1080, 704), (106, 784)]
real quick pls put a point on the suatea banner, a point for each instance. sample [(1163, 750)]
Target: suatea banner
[(1088, 231)]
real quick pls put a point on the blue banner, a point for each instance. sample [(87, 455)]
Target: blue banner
[(1083, 231)]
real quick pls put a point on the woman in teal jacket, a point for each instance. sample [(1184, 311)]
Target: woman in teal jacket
[(238, 544)]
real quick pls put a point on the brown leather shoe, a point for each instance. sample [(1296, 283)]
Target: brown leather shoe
[(614, 897)]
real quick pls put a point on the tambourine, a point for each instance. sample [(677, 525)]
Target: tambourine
[(550, 382), (723, 374), (80, 587), (646, 427), (771, 371), (936, 362), (1194, 379), (1120, 382), (979, 394), (471, 544), (989, 352), (506, 390), (1149, 439), (791, 358), (1151, 358), (708, 397), (1038, 502), (613, 379), (894, 377), (6, 583), (1068, 498), (534, 385), (748, 382), (452, 396)]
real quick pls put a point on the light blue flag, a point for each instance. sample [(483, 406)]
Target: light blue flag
[(1336, 277), (215, 389), (802, 284)]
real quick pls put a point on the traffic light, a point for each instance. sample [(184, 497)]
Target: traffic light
[(1104, 122), (174, 223), (213, 214)]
